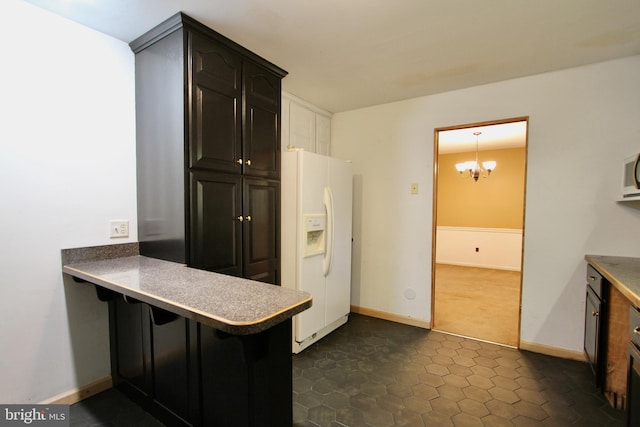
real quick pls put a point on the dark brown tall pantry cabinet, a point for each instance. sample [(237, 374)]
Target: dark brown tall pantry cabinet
[(208, 141)]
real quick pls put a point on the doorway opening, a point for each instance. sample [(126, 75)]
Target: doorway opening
[(478, 229)]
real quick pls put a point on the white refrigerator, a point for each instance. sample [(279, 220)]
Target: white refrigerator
[(316, 195)]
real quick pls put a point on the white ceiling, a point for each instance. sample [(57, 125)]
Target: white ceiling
[(348, 54)]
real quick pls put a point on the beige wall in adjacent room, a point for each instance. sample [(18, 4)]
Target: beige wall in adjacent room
[(494, 202)]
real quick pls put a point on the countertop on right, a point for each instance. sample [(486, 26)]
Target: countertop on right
[(621, 272)]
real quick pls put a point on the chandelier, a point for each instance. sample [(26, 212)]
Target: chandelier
[(475, 169)]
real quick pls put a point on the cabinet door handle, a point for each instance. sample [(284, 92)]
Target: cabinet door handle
[(636, 330), (248, 218), (239, 161), (248, 162), (240, 218), (592, 278), (595, 313)]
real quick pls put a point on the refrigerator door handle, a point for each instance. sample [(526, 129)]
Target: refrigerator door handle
[(328, 255)]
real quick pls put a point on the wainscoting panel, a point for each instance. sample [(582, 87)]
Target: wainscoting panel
[(499, 248)]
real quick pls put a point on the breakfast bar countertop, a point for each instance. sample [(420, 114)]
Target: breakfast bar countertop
[(231, 304), (622, 272)]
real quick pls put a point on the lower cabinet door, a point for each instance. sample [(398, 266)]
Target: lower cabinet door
[(170, 365), (224, 379), (152, 363), (215, 222), (633, 387), (247, 380), (261, 232), (131, 363), (592, 333)]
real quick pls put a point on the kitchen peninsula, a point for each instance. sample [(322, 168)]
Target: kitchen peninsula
[(195, 338), (194, 347)]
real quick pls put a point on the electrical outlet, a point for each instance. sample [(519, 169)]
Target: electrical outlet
[(414, 188), (119, 229)]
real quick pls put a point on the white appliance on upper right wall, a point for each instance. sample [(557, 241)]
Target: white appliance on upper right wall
[(316, 194)]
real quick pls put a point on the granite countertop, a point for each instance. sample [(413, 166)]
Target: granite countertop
[(622, 272), (231, 304)]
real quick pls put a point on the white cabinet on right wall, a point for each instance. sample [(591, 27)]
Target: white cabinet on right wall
[(323, 134), (305, 125)]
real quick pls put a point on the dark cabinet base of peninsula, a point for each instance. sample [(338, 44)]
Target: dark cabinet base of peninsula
[(189, 374)]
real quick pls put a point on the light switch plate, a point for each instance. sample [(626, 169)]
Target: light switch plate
[(119, 229)]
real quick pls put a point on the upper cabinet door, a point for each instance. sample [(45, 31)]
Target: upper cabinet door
[(302, 127), (323, 134), (216, 99), (261, 146)]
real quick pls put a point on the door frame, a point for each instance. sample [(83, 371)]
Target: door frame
[(436, 133)]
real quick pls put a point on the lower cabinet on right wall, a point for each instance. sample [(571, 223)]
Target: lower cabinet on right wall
[(595, 313), (633, 379), (606, 337), (612, 333)]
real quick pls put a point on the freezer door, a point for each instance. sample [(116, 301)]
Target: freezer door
[(312, 179)]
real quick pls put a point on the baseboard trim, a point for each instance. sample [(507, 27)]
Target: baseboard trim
[(83, 392), (476, 265), (524, 345), (552, 351), (412, 321)]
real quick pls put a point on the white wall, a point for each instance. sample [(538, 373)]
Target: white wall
[(583, 122), (67, 167)]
